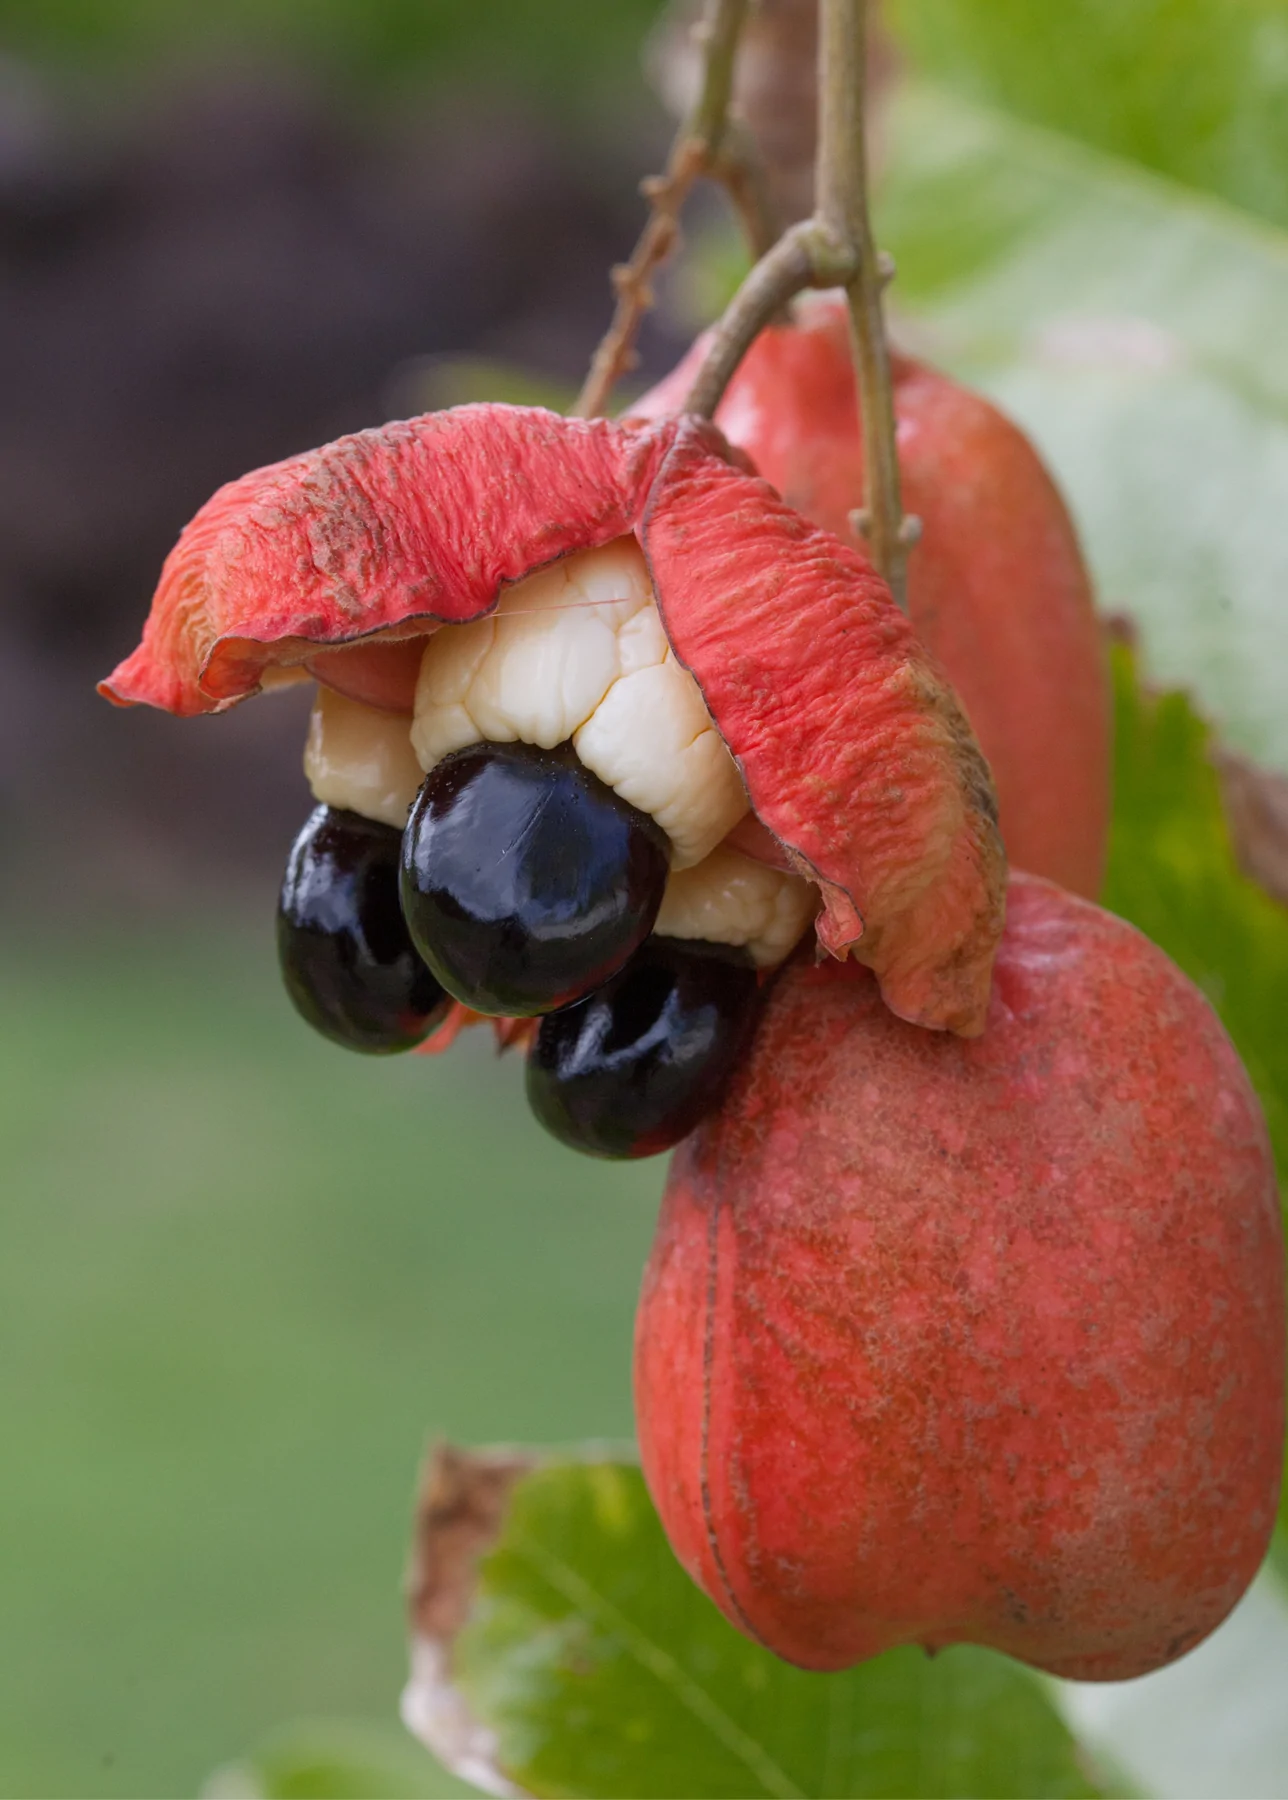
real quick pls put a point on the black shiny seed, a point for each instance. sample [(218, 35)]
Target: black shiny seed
[(346, 957), (635, 1066), (526, 881)]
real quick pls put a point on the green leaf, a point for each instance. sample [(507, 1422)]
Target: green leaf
[(1194, 89), (1138, 331), (592, 1666), (1172, 872), (330, 1759)]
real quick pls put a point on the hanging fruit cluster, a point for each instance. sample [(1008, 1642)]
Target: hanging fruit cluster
[(965, 1316)]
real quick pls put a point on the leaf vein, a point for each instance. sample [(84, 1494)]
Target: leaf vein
[(664, 1668)]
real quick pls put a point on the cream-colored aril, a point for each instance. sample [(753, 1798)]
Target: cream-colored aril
[(361, 759), (728, 898), (577, 651)]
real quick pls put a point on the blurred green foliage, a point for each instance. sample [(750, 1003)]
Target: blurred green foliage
[(554, 46), (1194, 89), (1173, 873), (243, 1278), (1139, 334), (334, 1759)]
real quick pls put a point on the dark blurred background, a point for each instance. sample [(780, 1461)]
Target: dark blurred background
[(225, 239), (243, 1278)]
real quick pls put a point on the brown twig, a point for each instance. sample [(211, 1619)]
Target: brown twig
[(842, 197), (707, 143), (833, 248)]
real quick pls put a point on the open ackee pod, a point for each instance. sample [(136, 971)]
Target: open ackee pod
[(855, 753)]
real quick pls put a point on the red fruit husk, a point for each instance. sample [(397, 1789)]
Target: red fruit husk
[(946, 1341), (996, 585), (381, 535)]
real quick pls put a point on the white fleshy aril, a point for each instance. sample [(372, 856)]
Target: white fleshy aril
[(729, 898), (577, 651), (361, 759)]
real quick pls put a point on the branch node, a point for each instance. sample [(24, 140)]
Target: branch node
[(832, 249)]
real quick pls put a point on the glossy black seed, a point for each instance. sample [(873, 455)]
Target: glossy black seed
[(346, 957), (526, 881), (635, 1066)]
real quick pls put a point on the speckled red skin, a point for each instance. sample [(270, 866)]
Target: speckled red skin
[(856, 755), (996, 586), (381, 535), (946, 1341)]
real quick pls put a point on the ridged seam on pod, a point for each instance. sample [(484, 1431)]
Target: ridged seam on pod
[(853, 750)]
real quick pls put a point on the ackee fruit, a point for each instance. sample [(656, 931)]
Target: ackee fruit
[(715, 660), (975, 1341)]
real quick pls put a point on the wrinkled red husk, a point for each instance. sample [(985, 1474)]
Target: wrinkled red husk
[(946, 1341), (855, 753), (389, 531), (996, 586)]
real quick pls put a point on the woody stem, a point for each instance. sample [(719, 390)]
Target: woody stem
[(833, 248), (842, 200), (707, 143)]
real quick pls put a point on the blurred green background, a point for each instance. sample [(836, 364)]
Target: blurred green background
[(244, 1280)]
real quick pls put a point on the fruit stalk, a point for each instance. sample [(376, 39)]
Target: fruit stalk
[(707, 143), (841, 189), (833, 248)]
